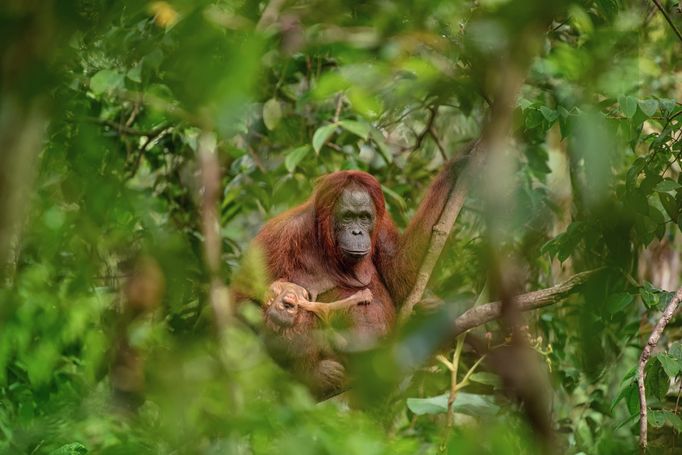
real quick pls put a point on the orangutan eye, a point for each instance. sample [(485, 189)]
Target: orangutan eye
[(347, 216)]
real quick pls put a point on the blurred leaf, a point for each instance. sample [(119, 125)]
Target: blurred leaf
[(669, 203), (656, 380), (358, 128), (667, 185), (628, 105), (465, 403), (272, 113), (106, 81), (294, 157), (656, 419), (135, 73), (395, 197), (486, 378), (649, 107), (671, 365), (667, 105), (322, 135), (74, 448), (618, 302), (632, 398)]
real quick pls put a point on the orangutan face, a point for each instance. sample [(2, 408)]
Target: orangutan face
[(354, 221)]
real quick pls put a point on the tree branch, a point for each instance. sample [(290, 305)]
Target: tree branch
[(644, 359), (210, 226), (487, 312), (125, 129), (669, 20)]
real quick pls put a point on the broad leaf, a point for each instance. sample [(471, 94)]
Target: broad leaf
[(272, 113), (322, 135), (465, 403), (649, 107), (667, 185), (671, 365), (294, 156), (106, 81), (628, 105), (358, 128)]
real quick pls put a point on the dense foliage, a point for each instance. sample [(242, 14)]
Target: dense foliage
[(113, 96)]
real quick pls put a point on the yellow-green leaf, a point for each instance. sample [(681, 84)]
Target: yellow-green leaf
[(294, 157), (272, 113), (322, 135)]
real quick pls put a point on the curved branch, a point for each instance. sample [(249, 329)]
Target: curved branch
[(644, 359), (487, 312)]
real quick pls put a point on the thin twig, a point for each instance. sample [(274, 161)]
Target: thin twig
[(150, 139), (123, 129), (644, 359), (339, 106), (433, 111), (667, 18), (453, 378), (436, 139)]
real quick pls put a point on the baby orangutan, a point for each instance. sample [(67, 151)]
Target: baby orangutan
[(292, 335), (284, 300)]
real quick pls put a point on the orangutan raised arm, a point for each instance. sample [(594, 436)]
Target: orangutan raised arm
[(401, 255)]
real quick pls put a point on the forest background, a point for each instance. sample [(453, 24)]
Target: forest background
[(116, 115)]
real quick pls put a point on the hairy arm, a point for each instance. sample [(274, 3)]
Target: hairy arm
[(400, 256)]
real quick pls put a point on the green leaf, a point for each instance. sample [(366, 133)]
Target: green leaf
[(656, 419), (674, 420), (384, 149), (465, 403), (549, 114), (486, 378), (322, 135), (667, 105), (667, 185), (395, 197), (432, 405), (669, 203), (294, 156), (628, 105), (135, 73), (356, 127), (106, 81), (676, 350), (74, 448), (626, 385), (654, 298), (649, 107), (671, 365), (534, 118), (618, 302), (272, 113), (656, 381), (632, 398)]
